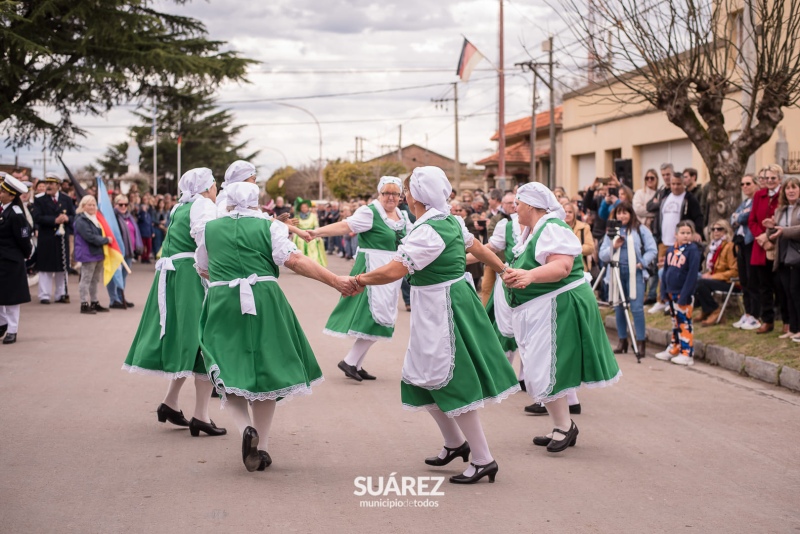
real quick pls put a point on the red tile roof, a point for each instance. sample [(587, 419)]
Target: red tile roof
[(523, 125), (516, 153)]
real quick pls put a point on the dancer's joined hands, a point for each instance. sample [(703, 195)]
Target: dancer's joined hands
[(347, 286), (517, 278)]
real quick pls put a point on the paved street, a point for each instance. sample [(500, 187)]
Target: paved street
[(668, 449)]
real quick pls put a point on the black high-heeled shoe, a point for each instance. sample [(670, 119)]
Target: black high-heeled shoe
[(196, 425), (622, 347), (350, 371), (165, 413), (570, 438), (462, 450), (250, 456), (266, 460), (365, 375), (488, 470)]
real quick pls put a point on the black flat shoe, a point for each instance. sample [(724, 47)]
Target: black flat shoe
[(63, 300), (462, 450), (116, 306), (350, 371), (575, 409), (266, 460), (165, 413), (96, 307), (250, 456), (542, 441), (44, 301), (196, 425), (488, 470), (570, 438), (536, 408), (3, 329), (365, 375), (9, 339)]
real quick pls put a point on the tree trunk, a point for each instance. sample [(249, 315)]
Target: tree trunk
[(725, 174)]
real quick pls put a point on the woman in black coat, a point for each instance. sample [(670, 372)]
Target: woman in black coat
[(15, 248)]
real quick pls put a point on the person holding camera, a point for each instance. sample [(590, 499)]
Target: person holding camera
[(635, 249)]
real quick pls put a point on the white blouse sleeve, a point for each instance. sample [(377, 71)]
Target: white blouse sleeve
[(498, 239), (202, 211), (469, 239), (361, 220), (420, 248), (282, 245), (555, 239), (222, 203)]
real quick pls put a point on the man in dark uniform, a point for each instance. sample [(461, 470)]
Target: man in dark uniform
[(15, 248), (53, 213)]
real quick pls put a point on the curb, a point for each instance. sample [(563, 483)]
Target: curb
[(771, 373)]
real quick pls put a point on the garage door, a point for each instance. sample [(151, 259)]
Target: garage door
[(586, 171), (679, 153)]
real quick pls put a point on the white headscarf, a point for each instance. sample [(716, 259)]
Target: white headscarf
[(238, 171), (539, 196), (430, 186), (193, 182), (242, 197), (386, 180)]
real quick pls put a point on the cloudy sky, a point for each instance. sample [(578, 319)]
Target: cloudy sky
[(310, 48)]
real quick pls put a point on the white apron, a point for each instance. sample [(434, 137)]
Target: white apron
[(430, 358), (503, 313), (382, 299), (534, 325)]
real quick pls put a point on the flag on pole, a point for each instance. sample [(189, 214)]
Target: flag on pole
[(469, 58), (114, 253)]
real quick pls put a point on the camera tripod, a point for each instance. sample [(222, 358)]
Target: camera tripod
[(617, 296)]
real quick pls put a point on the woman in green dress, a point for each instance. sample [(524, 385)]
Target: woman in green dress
[(454, 362), (307, 220), (370, 315), (166, 343), (253, 345), (557, 325)]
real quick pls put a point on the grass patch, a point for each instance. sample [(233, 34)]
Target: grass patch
[(763, 346)]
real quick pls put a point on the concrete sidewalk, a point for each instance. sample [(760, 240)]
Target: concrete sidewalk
[(667, 449)]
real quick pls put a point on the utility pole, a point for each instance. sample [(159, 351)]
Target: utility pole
[(533, 66), (532, 173), (457, 166), (500, 182), (551, 179), (180, 143), (355, 154), (155, 149), (399, 142)]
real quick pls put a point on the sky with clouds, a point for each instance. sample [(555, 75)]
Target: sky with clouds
[(308, 48)]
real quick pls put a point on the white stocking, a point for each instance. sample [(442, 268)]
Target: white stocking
[(521, 374), (449, 429), (202, 392), (239, 413), (174, 388), (572, 397), (559, 414), (470, 425), (358, 352), (262, 421)]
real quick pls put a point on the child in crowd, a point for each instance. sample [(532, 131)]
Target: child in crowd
[(678, 284)]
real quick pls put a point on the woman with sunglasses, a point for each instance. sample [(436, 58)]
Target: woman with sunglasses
[(720, 266), (370, 315), (743, 240), (132, 243), (645, 195)]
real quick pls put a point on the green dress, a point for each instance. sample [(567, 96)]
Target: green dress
[(454, 361), (175, 354), (508, 343), (314, 249), (260, 353), (562, 341), (372, 313)]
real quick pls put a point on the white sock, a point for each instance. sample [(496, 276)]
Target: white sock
[(470, 425), (202, 392), (358, 352), (572, 397), (173, 390), (449, 429), (263, 411), (559, 415), (521, 374), (239, 413)]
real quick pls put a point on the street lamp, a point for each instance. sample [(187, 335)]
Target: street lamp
[(319, 131)]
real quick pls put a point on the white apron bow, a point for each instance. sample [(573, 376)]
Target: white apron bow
[(246, 299)]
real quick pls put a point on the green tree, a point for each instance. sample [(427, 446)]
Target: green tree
[(207, 134), (276, 185), (65, 57), (358, 179)]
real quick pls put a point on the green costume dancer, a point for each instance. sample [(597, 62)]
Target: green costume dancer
[(454, 363), (562, 341), (307, 220), (166, 343), (253, 345)]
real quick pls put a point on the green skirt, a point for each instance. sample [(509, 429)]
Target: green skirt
[(481, 372), (177, 354), (315, 249), (260, 357), (509, 344), (352, 316)]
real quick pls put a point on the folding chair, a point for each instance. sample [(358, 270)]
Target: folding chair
[(736, 289)]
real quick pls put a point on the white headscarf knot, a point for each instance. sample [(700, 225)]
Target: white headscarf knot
[(539, 196), (193, 182), (243, 197), (430, 186)]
